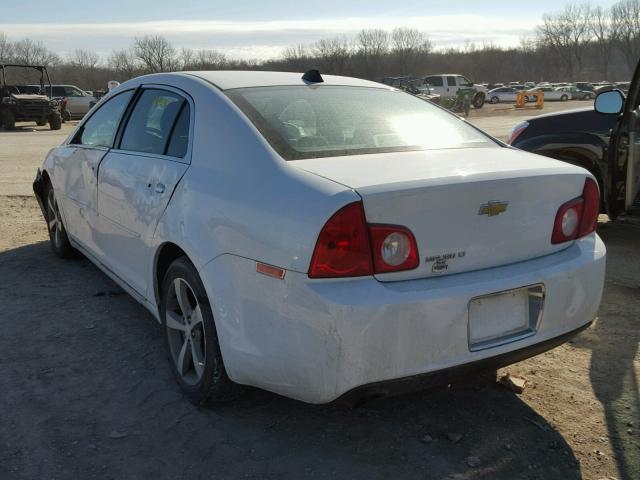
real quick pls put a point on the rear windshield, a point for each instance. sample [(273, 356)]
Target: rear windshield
[(303, 122)]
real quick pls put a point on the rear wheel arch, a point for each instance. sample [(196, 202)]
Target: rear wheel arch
[(167, 253)]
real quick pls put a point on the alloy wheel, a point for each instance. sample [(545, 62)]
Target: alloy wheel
[(185, 332)]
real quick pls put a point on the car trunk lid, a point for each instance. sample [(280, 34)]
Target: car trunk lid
[(468, 209)]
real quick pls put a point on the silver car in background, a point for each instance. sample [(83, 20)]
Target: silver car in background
[(79, 102)]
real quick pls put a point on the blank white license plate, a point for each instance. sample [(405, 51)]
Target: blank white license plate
[(499, 318)]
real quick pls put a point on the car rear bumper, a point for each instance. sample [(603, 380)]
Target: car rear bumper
[(316, 340)]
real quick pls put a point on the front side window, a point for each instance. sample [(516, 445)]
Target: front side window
[(73, 92), (152, 122), (100, 130), (303, 122), (451, 81)]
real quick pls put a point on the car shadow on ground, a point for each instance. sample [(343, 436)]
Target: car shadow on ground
[(86, 381), (614, 342)]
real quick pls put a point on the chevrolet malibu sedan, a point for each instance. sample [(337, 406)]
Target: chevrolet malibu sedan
[(322, 237)]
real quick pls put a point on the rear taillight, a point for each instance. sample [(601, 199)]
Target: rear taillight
[(517, 130), (394, 248), (348, 247), (343, 248), (578, 217)]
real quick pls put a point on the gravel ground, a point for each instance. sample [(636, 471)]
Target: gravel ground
[(87, 391)]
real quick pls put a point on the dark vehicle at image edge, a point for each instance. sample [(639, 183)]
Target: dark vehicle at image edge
[(604, 139)]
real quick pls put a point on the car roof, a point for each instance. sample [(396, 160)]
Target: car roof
[(226, 80)]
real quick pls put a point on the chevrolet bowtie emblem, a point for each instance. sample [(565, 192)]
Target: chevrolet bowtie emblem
[(493, 208)]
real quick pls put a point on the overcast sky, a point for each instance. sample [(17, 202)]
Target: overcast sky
[(262, 28)]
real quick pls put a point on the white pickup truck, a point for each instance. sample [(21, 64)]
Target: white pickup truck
[(448, 84)]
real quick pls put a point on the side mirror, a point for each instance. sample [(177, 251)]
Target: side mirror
[(609, 102)]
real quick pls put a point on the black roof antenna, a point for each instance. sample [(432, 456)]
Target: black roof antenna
[(312, 76)]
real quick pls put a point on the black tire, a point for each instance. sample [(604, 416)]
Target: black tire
[(8, 120), (66, 116), (478, 100), (564, 98), (494, 100), (55, 121), (196, 336), (41, 123), (57, 232), (588, 96)]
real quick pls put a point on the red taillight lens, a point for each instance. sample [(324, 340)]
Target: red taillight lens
[(591, 196), (394, 248), (578, 217), (343, 249), (348, 247)]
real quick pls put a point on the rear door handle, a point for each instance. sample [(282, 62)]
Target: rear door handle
[(160, 187)]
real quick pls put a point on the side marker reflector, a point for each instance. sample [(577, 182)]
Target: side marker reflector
[(270, 270)]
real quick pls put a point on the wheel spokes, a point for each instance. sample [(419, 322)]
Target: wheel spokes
[(183, 362), (197, 358), (185, 328), (182, 296), (175, 321)]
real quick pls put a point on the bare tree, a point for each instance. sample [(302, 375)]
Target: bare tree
[(407, 45), (6, 48), (30, 52), (84, 59), (373, 45), (187, 58), (156, 53), (333, 54), (604, 36), (124, 63), (625, 18), (565, 33)]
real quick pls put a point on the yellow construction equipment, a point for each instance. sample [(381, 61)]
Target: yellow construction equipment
[(523, 100)]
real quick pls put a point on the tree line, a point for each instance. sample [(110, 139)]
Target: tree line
[(580, 42)]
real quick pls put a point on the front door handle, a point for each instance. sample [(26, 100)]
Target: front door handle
[(160, 187)]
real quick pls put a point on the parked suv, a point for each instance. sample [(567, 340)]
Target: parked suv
[(26, 103), (447, 85), (79, 102)]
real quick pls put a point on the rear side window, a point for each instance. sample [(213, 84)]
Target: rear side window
[(179, 140), (152, 122), (100, 129), (58, 92), (434, 81)]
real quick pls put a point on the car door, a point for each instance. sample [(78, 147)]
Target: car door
[(78, 101), (137, 178), (509, 95), (452, 86), (76, 168), (624, 154), (436, 83)]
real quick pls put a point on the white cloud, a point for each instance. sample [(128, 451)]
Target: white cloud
[(254, 39)]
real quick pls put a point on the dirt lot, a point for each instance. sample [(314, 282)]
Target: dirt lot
[(87, 392)]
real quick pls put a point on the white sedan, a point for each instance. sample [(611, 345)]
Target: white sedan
[(321, 237), (550, 93), (502, 94)]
